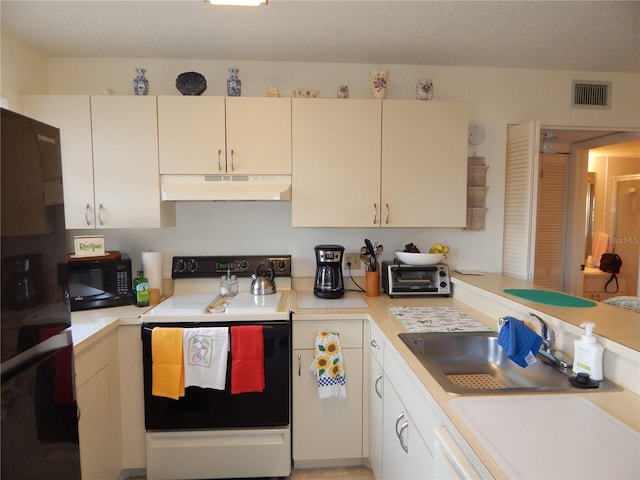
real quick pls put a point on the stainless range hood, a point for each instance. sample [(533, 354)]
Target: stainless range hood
[(225, 187)]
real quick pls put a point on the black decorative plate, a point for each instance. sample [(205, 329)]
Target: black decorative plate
[(191, 83)]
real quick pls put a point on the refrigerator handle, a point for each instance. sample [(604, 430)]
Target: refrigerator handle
[(24, 359)]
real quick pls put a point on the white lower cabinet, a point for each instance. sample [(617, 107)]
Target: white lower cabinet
[(376, 397), (449, 461), (405, 454), (98, 396), (327, 432), (418, 439)]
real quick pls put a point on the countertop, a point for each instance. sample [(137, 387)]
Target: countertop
[(88, 326), (624, 405), (613, 323)]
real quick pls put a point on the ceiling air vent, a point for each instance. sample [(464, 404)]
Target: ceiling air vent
[(591, 94)]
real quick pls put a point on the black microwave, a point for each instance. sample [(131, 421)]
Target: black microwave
[(98, 282)]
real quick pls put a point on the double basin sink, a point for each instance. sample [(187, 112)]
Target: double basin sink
[(474, 364)]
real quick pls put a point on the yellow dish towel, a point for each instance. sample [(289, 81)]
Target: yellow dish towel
[(167, 361), (328, 366)]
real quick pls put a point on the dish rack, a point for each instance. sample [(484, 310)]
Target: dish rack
[(476, 193)]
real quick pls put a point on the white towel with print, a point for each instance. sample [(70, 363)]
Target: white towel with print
[(205, 351), (328, 366)]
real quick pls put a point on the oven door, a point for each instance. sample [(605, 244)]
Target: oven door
[(416, 279), (206, 409)]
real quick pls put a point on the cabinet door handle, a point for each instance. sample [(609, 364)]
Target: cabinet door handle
[(299, 363), (87, 211), (219, 160), (375, 386), (100, 209), (375, 213), (404, 442), (233, 168), (386, 220), (398, 420), (374, 344)]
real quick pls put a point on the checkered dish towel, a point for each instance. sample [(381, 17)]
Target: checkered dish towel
[(328, 366)]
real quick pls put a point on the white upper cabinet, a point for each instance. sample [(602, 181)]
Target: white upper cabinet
[(367, 163), (109, 150), (259, 135), (72, 115), (125, 163), (191, 134), (218, 135), (424, 164), (336, 162)]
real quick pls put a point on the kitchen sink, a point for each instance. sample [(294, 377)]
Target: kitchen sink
[(474, 364)]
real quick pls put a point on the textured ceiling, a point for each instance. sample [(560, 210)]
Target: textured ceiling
[(566, 35)]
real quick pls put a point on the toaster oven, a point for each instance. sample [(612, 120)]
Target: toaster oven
[(402, 280)]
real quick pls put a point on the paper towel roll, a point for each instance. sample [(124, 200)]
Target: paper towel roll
[(152, 266)]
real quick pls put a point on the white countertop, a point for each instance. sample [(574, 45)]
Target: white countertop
[(584, 441), (623, 405)]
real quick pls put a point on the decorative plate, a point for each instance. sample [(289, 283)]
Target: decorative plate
[(191, 83)]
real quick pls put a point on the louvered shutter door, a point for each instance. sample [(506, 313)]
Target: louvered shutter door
[(519, 204), (551, 222)]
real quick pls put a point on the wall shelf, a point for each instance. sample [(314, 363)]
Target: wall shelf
[(476, 193)]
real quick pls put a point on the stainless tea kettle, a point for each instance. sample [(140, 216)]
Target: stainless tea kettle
[(263, 283)]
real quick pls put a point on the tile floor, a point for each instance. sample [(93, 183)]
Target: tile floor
[(350, 473), (338, 473)]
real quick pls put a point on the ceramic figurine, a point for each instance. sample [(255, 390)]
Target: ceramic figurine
[(424, 89), (343, 91)]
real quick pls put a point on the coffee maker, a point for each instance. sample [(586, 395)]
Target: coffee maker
[(328, 283)]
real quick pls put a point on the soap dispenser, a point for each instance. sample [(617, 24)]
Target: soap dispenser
[(588, 353)]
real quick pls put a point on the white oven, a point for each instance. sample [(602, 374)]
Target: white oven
[(219, 432)]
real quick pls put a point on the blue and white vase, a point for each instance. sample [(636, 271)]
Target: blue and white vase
[(140, 84), (234, 84)]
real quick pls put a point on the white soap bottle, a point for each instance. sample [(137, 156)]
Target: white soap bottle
[(588, 353)]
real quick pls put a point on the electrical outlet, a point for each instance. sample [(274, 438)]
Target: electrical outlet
[(354, 259)]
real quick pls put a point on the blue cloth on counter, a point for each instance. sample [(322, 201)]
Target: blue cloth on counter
[(518, 340)]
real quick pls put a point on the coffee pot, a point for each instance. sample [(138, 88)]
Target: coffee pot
[(328, 281)]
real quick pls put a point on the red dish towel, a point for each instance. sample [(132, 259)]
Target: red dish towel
[(247, 359)]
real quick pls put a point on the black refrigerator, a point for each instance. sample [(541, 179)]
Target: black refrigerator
[(39, 414)]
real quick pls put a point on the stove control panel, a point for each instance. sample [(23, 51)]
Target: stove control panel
[(216, 266)]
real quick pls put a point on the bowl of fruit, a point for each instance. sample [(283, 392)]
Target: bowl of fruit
[(412, 255)]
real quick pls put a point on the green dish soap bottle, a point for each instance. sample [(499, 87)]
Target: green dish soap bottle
[(141, 289)]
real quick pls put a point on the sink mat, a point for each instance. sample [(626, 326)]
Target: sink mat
[(548, 297), (476, 381), (437, 319)]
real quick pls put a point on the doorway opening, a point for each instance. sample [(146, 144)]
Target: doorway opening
[(596, 162)]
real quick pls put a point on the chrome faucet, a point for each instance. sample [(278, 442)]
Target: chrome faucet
[(555, 358)]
